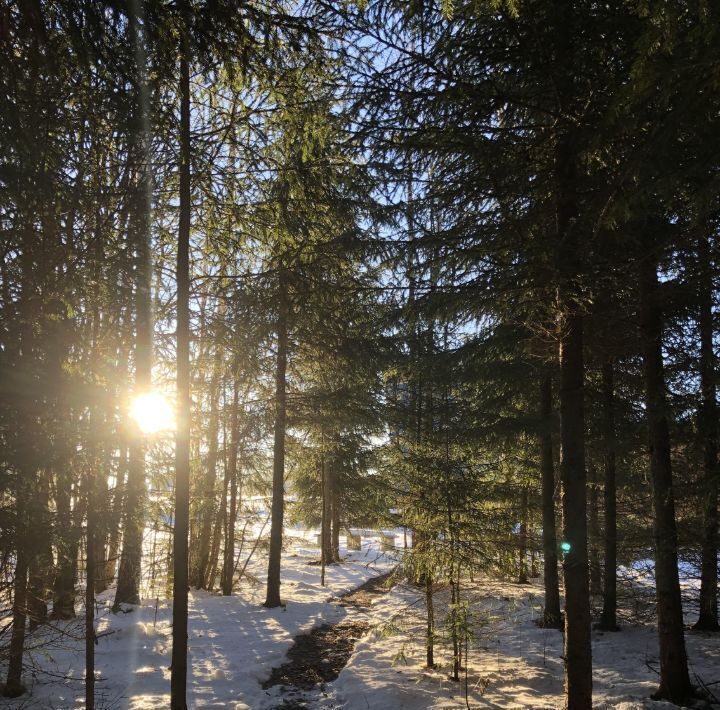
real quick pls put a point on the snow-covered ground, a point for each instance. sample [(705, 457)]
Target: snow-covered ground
[(234, 643), (512, 662)]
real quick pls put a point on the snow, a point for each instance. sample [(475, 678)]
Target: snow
[(513, 663), (234, 642)]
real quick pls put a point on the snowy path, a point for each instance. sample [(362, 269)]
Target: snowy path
[(233, 641), (316, 658)]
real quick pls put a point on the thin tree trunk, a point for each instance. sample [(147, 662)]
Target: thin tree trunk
[(116, 516), (708, 428), (66, 544), (334, 497), (179, 669), (594, 532), (608, 620), (430, 626), (674, 678), (272, 598), (232, 468), (325, 514), (207, 502), (523, 537), (551, 614), (14, 686), (90, 564), (41, 562), (220, 526)]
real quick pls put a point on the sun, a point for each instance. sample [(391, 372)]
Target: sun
[(153, 413)]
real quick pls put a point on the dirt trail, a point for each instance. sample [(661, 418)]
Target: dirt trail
[(318, 657)]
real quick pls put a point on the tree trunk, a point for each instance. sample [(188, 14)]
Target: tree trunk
[(272, 598), (66, 545), (116, 516), (708, 429), (232, 469), (129, 573), (569, 265), (207, 502), (178, 679), (551, 614), (594, 532), (523, 537), (334, 516), (41, 561), (325, 513), (14, 686), (90, 564), (608, 620), (578, 655), (430, 626), (674, 679)]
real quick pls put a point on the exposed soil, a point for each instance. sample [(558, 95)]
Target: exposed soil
[(362, 597), (318, 656)]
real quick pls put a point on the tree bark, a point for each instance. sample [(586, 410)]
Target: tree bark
[(14, 686), (708, 429), (594, 532), (608, 620), (232, 469), (674, 678), (272, 598), (523, 537), (66, 547), (207, 502), (129, 572), (90, 564), (569, 265), (578, 658), (552, 617), (334, 516), (41, 562), (178, 679)]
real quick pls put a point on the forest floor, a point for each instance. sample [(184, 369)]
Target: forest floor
[(235, 644)]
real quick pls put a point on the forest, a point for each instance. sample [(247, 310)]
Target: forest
[(359, 354)]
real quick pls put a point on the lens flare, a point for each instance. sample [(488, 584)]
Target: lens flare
[(153, 413)]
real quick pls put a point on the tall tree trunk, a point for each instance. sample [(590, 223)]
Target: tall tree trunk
[(14, 686), (325, 513), (218, 531), (674, 678), (430, 622), (232, 471), (179, 669), (272, 598), (208, 494), (334, 497), (116, 515), (66, 546), (25, 467), (569, 264), (608, 620), (578, 655), (41, 562), (708, 428), (523, 537), (129, 573), (594, 531), (551, 613), (90, 564)]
